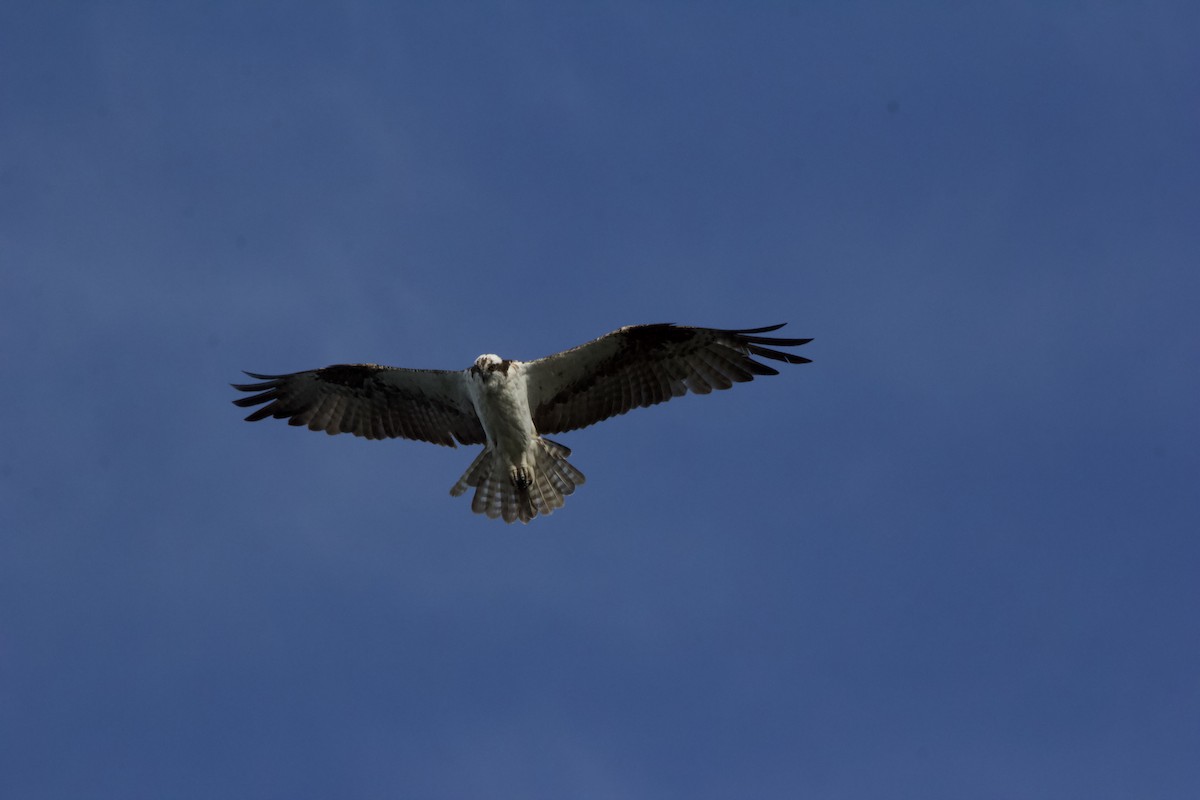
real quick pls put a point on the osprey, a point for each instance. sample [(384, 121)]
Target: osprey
[(508, 406)]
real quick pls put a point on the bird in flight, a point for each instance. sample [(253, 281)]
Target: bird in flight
[(509, 406)]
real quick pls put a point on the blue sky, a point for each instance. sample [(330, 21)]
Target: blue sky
[(956, 556)]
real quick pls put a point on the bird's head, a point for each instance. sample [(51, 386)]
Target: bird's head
[(488, 363)]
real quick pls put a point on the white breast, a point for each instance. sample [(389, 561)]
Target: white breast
[(502, 403)]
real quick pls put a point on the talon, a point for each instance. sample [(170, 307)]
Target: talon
[(521, 479)]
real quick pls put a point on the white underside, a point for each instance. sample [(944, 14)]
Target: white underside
[(518, 475), (502, 403)]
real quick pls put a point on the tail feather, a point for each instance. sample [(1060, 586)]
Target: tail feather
[(518, 493), (563, 477), (478, 471), (546, 497), (487, 495)]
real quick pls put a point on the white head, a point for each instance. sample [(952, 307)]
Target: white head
[(488, 362), (488, 366)]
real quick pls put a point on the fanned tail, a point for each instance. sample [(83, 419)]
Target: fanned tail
[(519, 493)]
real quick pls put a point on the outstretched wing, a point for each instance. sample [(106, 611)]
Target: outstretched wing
[(641, 365), (369, 400)]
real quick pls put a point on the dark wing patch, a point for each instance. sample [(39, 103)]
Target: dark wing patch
[(642, 365), (369, 400)]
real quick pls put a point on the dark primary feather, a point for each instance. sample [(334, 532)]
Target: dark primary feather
[(369, 400), (642, 365)]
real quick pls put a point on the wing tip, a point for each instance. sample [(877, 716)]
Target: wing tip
[(257, 414), (766, 329), (754, 344)]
